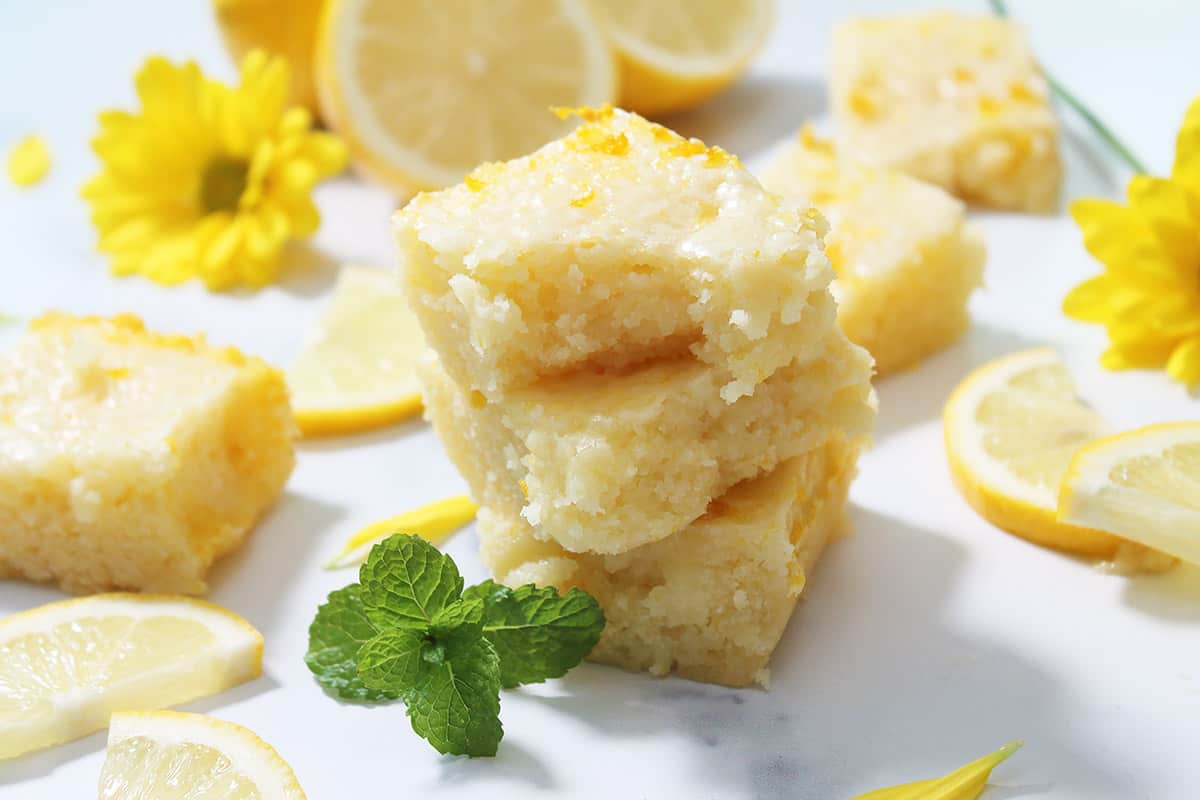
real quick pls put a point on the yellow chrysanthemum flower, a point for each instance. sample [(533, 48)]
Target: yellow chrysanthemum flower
[(1148, 297), (208, 180)]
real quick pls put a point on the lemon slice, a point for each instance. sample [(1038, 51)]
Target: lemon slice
[(675, 54), (1011, 428), (433, 522), (357, 370), (1143, 486), (424, 92), (66, 666), (166, 755)]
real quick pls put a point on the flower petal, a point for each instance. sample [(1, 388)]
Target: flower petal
[(1187, 149), (1092, 300), (1184, 364), (1112, 233), (1165, 207)]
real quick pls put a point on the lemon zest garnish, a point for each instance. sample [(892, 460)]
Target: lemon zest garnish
[(593, 137), (989, 106), (474, 184), (965, 783), (585, 113), (28, 161), (1021, 92), (718, 157), (585, 198), (687, 148), (433, 522), (862, 105), (810, 141)]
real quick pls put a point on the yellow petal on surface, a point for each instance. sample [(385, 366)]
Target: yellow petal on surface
[(1184, 363), (965, 783), (28, 161), (434, 523)]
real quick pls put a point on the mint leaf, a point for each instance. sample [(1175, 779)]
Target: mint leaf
[(537, 632), (335, 639), (391, 661), (466, 613), (406, 581), (451, 686)]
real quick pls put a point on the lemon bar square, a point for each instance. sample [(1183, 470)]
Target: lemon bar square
[(607, 461), (618, 244), (132, 460), (710, 602), (956, 100), (906, 259)]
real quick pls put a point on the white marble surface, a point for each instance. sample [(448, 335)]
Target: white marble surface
[(926, 639)]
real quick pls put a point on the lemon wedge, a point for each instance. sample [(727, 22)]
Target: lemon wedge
[(433, 522), (675, 54), (424, 92), (166, 755), (1011, 428), (965, 783), (66, 666), (1143, 486), (357, 370)]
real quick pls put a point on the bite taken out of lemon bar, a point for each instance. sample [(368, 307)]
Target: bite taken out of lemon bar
[(620, 243), (710, 602), (604, 461), (957, 100), (132, 460), (906, 259)]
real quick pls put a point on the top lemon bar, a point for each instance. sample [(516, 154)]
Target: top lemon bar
[(955, 100), (619, 244)]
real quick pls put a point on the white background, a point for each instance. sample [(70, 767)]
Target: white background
[(927, 638)]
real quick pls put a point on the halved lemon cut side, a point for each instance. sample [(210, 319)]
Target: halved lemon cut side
[(1011, 428), (166, 755), (424, 92), (357, 370), (65, 667), (1143, 485)]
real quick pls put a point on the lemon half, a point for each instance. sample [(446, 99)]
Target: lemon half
[(424, 92)]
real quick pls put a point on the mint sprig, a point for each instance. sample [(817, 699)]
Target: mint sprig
[(409, 631)]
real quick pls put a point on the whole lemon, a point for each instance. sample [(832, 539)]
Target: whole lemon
[(286, 28)]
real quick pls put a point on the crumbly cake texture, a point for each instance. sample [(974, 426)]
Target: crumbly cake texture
[(132, 460), (607, 461), (956, 100), (710, 602), (905, 257), (618, 244)]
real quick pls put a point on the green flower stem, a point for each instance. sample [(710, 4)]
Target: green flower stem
[(1000, 8)]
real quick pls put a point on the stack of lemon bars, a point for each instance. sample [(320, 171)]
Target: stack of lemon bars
[(636, 365)]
